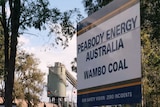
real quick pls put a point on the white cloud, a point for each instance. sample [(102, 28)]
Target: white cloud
[(22, 40)]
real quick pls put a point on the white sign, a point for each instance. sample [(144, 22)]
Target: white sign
[(110, 52)]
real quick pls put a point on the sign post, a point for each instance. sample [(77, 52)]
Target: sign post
[(109, 56)]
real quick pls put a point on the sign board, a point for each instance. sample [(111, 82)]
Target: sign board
[(108, 56)]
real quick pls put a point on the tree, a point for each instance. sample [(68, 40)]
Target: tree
[(150, 68), (26, 14), (29, 80)]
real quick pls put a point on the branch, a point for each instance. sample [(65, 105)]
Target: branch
[(3, 19), (10, 5), (29, 34)]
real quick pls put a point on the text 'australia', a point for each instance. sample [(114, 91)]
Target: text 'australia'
[(105, 49)]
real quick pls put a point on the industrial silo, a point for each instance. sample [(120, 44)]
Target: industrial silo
[(56, 85)]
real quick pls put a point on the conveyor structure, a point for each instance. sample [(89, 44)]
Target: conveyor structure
[(71, 79)]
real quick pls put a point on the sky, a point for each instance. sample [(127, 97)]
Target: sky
[(39, 45)]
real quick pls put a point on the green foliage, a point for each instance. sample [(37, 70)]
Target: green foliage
[(74, 65), (150, 69), (65, 27), (150, 37), (1, 52), (150, 14), (92, 6), (29, 80), (1, 62), (37, 14)]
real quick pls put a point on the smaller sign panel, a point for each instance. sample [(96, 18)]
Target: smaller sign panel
[(127, 95)]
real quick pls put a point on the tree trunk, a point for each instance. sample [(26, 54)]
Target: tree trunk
[(6, 51), (9, 83)]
